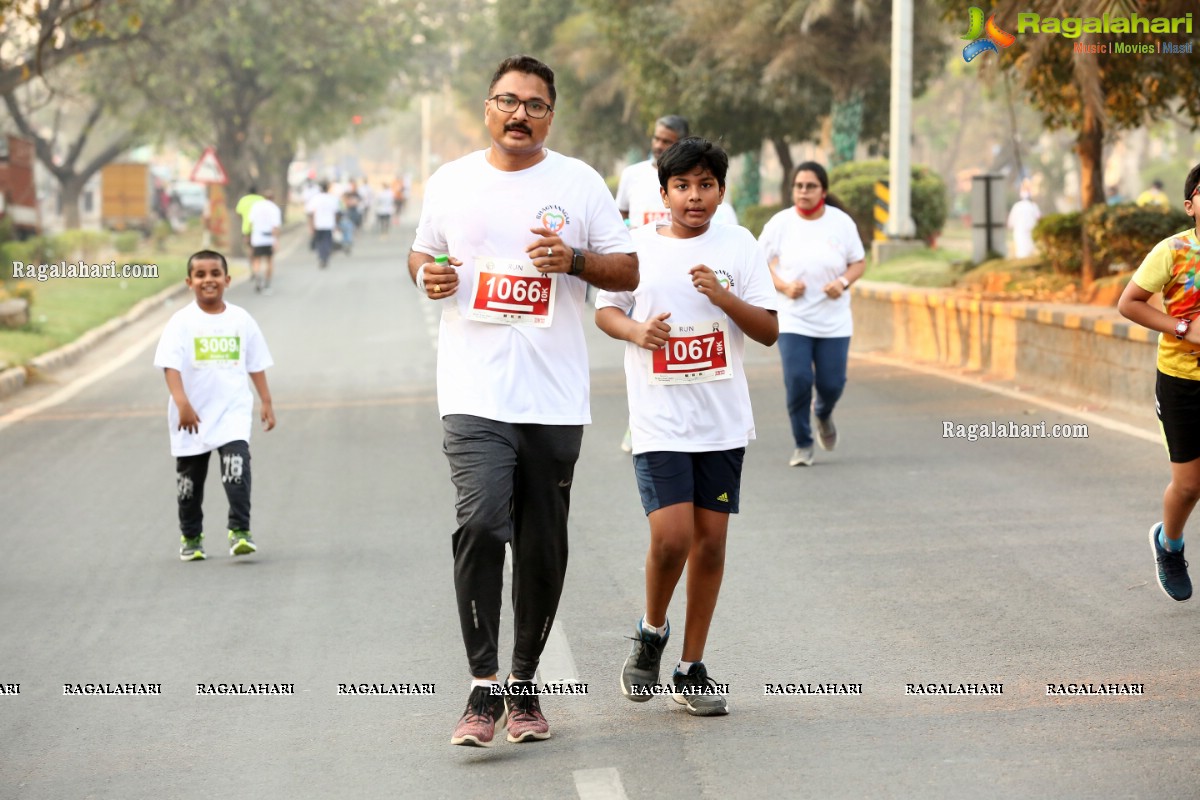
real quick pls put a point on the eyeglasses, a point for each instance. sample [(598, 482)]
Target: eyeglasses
[(536, 109), (807, 187)]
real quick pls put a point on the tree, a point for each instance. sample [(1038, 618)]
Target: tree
[(269, 74), (40, 36), (1088, 92)]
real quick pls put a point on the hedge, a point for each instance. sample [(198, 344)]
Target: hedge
[(1119, 234)]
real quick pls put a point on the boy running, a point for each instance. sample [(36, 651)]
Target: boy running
[(206, 351), (703, 289), (1170, 269)]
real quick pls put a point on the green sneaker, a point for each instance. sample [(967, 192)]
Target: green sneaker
[(192, 549), (240, 543)]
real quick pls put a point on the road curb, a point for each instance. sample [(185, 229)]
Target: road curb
[(14, 379)]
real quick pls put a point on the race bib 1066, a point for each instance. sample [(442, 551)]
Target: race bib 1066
[(695, 353), (509, 292), (217, 348)]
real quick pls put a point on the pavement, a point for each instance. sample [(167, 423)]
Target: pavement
[(904, 560)]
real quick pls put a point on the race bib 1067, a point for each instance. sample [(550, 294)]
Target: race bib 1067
[(695, 353), (509, 292)]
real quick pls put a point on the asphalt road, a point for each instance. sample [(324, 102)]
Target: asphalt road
[(903, 558)]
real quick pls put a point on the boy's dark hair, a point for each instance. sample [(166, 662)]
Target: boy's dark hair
[(528, 65), (1190, 183), (676, 123), (822, 178), (207, 255), (254, 188), (689, 153)]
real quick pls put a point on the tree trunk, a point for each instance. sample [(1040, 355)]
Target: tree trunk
[(230, 152), (1089, 145), (784, 154), (70, 190)]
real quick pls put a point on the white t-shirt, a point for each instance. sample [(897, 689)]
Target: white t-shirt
[(697, 417), (726, 215), (214, 353), (516, 373), (323, 206), (816, 251), (638, 192), (1022, 219), (385, 202), (265, 217)]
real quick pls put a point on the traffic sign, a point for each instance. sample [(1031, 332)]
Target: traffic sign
[(208, 169)]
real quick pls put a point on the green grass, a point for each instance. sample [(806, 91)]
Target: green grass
[(924, 267), (64, 309)]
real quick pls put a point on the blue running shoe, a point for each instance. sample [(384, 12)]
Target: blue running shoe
[(1172, 569)]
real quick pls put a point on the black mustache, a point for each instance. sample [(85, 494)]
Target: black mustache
[(517, 127)]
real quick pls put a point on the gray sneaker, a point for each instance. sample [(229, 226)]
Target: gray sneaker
[(639, 677), (703, 696), (801, 457), (826, 433)]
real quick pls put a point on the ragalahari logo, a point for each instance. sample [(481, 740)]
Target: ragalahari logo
[(986, 37)]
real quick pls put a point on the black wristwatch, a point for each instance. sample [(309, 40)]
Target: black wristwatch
[(577, 262)]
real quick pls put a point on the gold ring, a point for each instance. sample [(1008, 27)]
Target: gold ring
[(437, 287)]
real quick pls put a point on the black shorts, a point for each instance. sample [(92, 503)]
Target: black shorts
[(711, 480), (263, 250), (1177, 403)]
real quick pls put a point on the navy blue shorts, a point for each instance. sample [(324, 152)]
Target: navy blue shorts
[(711, 480)]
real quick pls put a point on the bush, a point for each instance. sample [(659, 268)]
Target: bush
[(1125, 233), (753, 218), (161, 233), (1059, 237), (853, 183), (1120, 234), (127, 242), (34, 250), (84, 245)]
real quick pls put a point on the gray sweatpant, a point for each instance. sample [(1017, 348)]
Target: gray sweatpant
[(513, 484)]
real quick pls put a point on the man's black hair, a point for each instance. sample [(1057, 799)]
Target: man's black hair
[(1190, 183), (207, 255), (689, 153), (675, 123), (528, 65)]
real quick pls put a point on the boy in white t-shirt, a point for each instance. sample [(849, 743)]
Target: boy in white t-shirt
[(704, 287), (206, 351)]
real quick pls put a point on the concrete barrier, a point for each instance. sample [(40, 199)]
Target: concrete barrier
[(1089, 353)]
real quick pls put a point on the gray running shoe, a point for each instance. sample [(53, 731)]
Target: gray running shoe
[(827, 435), (192, 548), (801, 457), (639, 677), (700, 693)]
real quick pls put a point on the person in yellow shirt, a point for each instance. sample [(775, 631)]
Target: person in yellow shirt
[(1154, 196), (1171, 269)]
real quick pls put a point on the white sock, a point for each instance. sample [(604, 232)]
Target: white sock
[(485, 682), (684, 666), (648, 628)]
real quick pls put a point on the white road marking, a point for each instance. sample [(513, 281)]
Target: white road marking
[(1024, 397), (599, 784)]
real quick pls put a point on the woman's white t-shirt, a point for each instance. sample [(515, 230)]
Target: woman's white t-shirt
[(816, 251)]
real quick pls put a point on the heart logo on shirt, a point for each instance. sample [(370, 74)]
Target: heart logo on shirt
[(554, 222)]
